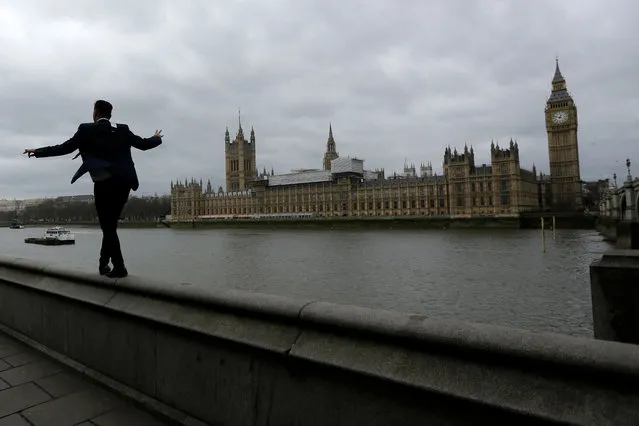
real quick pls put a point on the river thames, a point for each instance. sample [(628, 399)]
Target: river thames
[(497, 276)]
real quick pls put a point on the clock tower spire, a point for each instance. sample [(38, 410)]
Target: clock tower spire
[(563, 146)]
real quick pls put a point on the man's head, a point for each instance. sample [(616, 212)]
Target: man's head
[(102, 109)]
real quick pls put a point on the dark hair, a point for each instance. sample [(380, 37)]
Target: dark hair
[(103, 108)]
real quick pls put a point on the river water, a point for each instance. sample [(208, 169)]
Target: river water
[(496, 276)]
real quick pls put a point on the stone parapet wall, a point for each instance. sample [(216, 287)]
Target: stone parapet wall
[(614, 284), (234, 358)]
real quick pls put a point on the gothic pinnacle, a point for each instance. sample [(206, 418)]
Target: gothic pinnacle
[(558, 78)]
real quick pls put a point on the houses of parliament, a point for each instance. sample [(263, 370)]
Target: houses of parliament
[(343, 188)]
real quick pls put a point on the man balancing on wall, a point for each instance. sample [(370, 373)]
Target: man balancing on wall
[(106, 155)]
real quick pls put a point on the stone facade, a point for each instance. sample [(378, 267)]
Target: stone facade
[(344, 189), (503, 189)]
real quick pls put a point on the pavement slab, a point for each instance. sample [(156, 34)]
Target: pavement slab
[(36, 390), (18, 398), (14, 420), (23, 358)]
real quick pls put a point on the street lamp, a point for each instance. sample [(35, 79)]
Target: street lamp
[(628, 166)]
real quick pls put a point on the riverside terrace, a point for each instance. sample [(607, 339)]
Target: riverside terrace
[(225, 357)]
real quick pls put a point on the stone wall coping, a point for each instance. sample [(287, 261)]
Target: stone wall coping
[(618, 258), (464, 339), (235, 300)]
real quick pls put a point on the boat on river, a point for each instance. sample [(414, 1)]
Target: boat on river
[(14, 224), (56, 236)]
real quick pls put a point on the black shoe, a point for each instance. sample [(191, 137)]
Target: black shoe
[(104, 270), (118, 272)]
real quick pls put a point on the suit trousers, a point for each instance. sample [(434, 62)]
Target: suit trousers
[(110, 197)]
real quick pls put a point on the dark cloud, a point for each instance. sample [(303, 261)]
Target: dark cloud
[(396, 79)]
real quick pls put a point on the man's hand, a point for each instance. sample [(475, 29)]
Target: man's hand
[(29, 152), (158, 133)]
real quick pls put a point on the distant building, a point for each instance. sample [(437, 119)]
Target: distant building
[(343, 187), (74, 199), (8, 205), (19, 205)]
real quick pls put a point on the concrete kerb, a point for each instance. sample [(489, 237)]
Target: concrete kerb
[(404, 329), (618, 258), (41, 268), (614, 287), (470, 339), (254, 304), (19, 271)]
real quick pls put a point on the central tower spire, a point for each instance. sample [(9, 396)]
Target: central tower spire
[(331, 150), (240, 132), (558, 77)]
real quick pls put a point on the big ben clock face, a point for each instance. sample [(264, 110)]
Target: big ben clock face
[(560, 117)]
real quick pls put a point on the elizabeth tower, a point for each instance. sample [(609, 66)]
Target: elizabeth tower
[(563, 148)]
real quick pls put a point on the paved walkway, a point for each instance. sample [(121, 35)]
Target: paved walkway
[(37, 391)]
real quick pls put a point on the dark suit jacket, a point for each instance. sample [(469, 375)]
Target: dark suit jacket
[(104, 147)]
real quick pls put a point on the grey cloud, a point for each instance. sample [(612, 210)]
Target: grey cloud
[(396, 79)]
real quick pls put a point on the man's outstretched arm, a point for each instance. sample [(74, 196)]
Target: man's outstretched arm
[(144, 144), (56, 150)]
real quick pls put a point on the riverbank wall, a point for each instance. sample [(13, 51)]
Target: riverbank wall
[(411, 222), (90, 224), (524, 221), (226, 357), (351, 223), (624, 234)]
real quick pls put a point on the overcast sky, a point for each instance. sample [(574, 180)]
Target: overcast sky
[(397, 79)]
